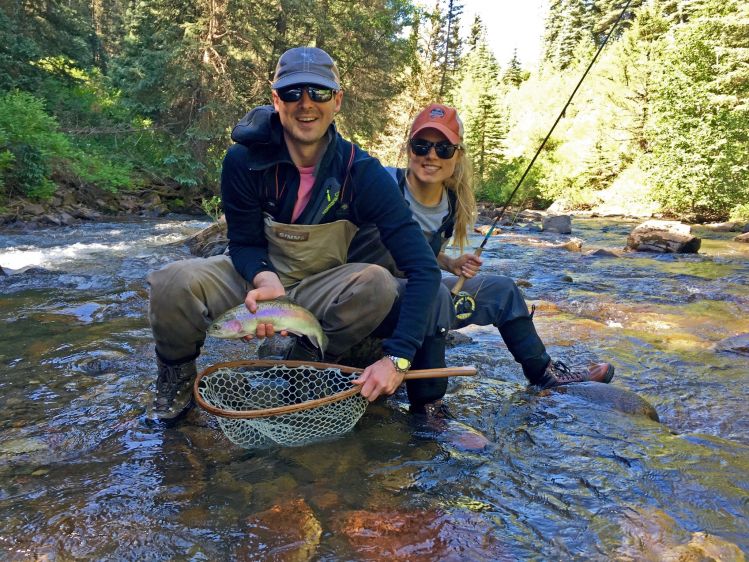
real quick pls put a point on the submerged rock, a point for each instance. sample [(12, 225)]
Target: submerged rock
[(736, 344), (287, 531), (22, 446), (617, 398), (418, 535), (651, 534)]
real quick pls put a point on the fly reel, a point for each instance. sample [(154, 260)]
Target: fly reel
[(464, 304)]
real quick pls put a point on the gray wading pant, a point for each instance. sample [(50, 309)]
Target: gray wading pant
[(500, 303), (350, 301)]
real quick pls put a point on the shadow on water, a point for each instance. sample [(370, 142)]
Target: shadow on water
[(516, 474)]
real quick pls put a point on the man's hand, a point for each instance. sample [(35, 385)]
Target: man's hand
[(379, 379), (267, 287), (467, 265)]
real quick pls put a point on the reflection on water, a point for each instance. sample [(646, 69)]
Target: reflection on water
[(517, 475)]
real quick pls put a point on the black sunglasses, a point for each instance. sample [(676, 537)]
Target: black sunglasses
[(442, 149), (315, 93)]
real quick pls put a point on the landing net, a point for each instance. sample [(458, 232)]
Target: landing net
[(263, 403)]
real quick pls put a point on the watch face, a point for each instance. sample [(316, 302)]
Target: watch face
[(402, 364)]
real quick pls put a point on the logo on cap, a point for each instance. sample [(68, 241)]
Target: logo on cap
[(436, 113)]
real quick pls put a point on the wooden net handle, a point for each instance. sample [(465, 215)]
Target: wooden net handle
[(310, 404)]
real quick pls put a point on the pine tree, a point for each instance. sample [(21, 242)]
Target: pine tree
[(477, 98), (514, 75), (452, 47)]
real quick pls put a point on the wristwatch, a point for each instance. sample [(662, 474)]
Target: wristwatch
[(402, 365)]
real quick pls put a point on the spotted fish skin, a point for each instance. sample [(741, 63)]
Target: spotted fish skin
[(284, 314)]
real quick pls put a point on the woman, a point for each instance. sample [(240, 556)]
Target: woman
[(438, 186)]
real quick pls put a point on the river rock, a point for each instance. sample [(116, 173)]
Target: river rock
[(615, 397), (603, 253), (557, 223), (731, 226), (485, 228), (85, 213), (664, 237), (287, 531), (743, 238), (736, 344), (33, 209), (572, 245), (211, 241)]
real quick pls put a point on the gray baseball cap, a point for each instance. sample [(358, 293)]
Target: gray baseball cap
[(306, 65)]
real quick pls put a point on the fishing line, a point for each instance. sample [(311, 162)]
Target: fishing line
[(464, 303)]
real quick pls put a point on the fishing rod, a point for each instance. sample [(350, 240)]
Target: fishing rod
[(464, 303)]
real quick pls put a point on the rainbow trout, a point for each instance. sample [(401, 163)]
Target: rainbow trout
[(283, 313)]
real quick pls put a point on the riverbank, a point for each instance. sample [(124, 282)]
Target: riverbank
[(75, 204)]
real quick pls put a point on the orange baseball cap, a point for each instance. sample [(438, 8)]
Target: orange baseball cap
[(442, 118)]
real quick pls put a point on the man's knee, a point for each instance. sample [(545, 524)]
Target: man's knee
[(378, 282), (170, 284)]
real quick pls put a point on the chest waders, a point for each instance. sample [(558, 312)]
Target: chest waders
[(298, 251)]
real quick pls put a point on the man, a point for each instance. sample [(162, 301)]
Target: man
[(294, 192)]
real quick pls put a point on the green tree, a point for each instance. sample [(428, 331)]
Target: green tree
[(699, 129)]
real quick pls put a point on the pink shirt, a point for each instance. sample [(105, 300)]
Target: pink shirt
[(306, 180)]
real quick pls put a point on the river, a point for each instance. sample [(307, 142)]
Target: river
[(517, 475)]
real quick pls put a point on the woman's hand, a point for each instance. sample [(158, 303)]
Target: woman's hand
[(467, 265)]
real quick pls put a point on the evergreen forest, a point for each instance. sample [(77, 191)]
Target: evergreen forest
[(136, 95)]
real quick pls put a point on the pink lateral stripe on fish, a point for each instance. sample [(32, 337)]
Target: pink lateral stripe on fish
[(284, 314)]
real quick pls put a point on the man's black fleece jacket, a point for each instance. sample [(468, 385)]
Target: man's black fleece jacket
[(258, 167)]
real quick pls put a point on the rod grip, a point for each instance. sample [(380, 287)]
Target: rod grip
[(462, 279)]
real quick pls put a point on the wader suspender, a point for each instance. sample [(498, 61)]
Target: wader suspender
[(333, 193), (447, 226)]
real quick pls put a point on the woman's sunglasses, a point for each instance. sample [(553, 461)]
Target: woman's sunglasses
[(315, 93), (442, 149)]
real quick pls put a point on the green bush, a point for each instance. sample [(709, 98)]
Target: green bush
[(740, 213), (212, 207), (31, 136), (32, 149)]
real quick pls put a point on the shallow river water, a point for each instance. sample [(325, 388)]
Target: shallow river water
[(517, 475)]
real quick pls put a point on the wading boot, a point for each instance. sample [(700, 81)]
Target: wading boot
[(173, 389), (557, 373), (432, 410), (426, 394)]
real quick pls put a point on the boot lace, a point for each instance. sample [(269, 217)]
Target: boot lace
[(169, 381), (563, 373)]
